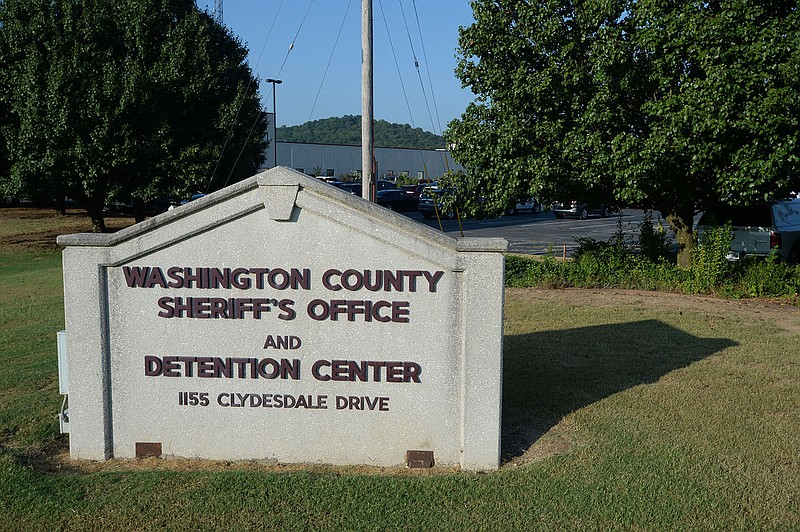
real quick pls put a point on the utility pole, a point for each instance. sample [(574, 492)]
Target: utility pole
[(274, 119), (367, 109)]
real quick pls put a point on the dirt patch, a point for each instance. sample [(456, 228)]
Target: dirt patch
[(59, 463), (782, 314), (24, 228)]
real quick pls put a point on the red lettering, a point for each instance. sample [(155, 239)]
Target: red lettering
[(312, 310), (412, 279), (168, 311), (411, 371), (287, 312), (433, 279), (326, 280), (315, 370), (394, 372), (201, 307), (174, 274), (235, 278), (275, 282), (376, 307), (156, 277), (153, 366), (337, 306), (135, 276), (205, 367), (171, 367), (400, 311), (340, 370), (352, 285)]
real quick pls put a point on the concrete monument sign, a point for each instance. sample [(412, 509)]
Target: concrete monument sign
[(283, 319)]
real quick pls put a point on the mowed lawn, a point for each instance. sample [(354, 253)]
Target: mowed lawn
[(622, 410)]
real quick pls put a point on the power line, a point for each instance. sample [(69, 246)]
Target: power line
[(294, 39), (416, 65), (325, 74), (430, 82), (427, 67), (396, 64), (239, 109), (402, 85), (291, 47)]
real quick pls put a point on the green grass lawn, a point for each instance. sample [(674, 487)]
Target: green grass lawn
[(622, 410)]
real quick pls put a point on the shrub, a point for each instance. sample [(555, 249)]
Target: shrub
[(765, 278), (618, 263), (603, 264), (709, 265), (518, 271), (550, 273), (654, 243)]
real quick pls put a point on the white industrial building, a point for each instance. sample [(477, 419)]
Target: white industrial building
[(336, 160)]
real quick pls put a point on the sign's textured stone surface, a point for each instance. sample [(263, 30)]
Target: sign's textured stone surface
[(284, 319)]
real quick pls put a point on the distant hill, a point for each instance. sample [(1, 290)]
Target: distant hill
[(347, 130)]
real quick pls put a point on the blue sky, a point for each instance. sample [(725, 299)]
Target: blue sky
[(271, 26)]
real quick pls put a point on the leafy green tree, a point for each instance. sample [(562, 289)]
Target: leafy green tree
[(124, 99), (674, 106)]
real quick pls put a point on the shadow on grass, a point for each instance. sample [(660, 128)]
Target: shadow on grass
[(547, 375)]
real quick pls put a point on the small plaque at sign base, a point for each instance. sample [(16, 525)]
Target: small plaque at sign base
[(148, 450), (417, 459)]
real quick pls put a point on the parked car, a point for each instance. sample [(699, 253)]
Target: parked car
[(354, 187), (530, 205), (383, 184), (430, 202), (397, 200), (417, 190), (580, 209), (349, 186), (759, 230)]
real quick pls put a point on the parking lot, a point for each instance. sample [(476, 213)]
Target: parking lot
[(538, 234)]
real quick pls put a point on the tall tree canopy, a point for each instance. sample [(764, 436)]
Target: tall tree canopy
[(675, 106), (123, 99)]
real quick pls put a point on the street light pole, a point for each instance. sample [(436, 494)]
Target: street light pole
[(274, 120)]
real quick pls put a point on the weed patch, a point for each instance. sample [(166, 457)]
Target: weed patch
[(649, 265)]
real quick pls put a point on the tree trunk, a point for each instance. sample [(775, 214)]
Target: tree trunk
[(98, 222), (681, 220), (94, 207), (138, 210)]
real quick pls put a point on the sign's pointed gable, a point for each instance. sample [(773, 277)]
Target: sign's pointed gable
[(282, 193)]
